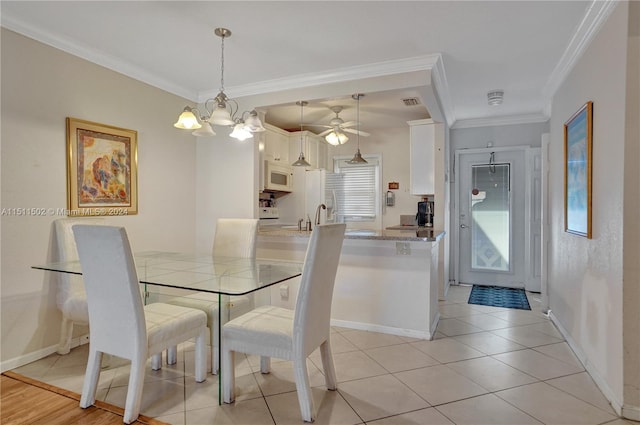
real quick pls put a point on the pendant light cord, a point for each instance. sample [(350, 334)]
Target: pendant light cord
[(301, 107), (358, 119)]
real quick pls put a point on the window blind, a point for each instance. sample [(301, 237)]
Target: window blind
[(358, 200)]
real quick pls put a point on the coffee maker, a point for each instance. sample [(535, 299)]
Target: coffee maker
[(424, 217)]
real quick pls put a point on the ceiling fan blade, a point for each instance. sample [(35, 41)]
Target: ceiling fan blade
[(318, 125), (324, 133), (349, 124), (354, 131)]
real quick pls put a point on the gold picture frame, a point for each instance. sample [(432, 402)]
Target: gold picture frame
[(578, 151), (102, 169)]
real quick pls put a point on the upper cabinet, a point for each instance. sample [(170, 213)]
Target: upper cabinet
[(276, 145), (422, 148), (313, 147)]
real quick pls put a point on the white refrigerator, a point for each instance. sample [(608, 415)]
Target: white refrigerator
[(323, 187)]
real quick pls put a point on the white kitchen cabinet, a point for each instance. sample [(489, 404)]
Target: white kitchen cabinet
[(314, 148), (422, 153), (276, 145)]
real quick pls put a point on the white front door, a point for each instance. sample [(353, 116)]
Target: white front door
[(491, 217)]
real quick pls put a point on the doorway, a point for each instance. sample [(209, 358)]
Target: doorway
[(492, 212)]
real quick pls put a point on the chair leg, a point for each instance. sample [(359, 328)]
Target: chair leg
[(91, 376), (214, 348), (305, 398), (134, 391), (328, 366), (66, 331), (265, 364), (201, 356), (228, 376), (172, 355), (156, 361)]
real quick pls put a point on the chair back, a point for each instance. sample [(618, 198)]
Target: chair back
[(236, 237), (311, 324), (65, 250), (116, 312)]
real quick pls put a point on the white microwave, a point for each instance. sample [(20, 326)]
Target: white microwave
[(278, 177)]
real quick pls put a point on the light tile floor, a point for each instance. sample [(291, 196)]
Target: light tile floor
[(487, 365)]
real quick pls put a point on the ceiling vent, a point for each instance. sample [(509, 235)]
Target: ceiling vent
[(411, 101)]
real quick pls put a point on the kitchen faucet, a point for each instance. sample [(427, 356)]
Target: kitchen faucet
[(324, 207)]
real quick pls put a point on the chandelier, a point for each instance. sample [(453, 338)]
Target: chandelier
[(222, 113)]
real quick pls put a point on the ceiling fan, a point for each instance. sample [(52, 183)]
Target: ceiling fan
[(337, 127)]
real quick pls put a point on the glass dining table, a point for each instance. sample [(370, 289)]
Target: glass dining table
[(169, 274)]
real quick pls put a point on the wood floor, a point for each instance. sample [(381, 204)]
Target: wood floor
[(27, 401)]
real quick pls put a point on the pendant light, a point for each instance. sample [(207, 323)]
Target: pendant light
[(357, 158), (223, 112), (301, 162)]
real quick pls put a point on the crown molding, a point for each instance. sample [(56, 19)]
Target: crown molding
[(338, 75), (96, 57), (498, 121), (596, 15), (439, 79)]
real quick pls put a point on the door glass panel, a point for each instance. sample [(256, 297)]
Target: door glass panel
[(490, 217)]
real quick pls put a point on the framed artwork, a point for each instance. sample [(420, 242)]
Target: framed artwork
[(102, 171), (578, 139)]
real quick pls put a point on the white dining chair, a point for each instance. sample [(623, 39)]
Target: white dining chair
[(70, 296), (234, 237), (120, 324), (270, 331)]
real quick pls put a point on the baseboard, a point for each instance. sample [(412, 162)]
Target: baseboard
[(591, 370), (39, 354), (385, 329), (631, 412)]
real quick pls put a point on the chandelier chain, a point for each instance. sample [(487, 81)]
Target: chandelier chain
[(222, 66)]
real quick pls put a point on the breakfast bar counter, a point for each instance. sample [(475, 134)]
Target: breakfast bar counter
[(386, 280)]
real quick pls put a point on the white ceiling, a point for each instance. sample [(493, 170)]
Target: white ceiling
[(518, 46)]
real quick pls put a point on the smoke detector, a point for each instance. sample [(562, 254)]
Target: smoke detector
[(495, 97)]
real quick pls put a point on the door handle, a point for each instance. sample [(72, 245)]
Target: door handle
[(463, 226)]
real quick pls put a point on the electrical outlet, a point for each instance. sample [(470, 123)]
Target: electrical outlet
[(403, 248), (284, 292)]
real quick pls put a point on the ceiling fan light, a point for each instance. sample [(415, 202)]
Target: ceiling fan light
[(187, 120), (205, 131), (221, 116), (336, 138)]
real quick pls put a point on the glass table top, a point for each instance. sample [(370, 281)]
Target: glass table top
[(205, 273)]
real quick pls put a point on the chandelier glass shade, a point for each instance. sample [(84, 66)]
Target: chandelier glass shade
[(222, 113)]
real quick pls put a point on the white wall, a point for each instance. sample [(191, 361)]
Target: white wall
[(40, 87), (585, 275)]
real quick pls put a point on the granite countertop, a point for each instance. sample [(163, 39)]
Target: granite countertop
[(423, 234)]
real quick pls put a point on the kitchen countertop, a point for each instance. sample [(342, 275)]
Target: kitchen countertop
[(423, 234)]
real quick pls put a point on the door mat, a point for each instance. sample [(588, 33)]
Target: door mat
[(497, 296)]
